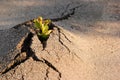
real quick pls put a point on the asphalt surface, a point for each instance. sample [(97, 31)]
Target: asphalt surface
[(13, 12)]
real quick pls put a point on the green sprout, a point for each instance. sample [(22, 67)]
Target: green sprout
[(42, 28)]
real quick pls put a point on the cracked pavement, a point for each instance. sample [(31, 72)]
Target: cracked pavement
[(85, 45)]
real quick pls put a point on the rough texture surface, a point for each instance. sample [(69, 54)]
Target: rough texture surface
[(85, 47)]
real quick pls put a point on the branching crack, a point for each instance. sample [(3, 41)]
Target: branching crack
[(26, 53), (47, 51), (59, 35), (52, 67)]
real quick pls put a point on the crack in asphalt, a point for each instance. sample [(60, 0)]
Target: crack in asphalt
[(68, 15), (47, 72), (50, 65), (27, 51), (66, 37), (66, 9), (63, 16), (59, 35), (26, 45)]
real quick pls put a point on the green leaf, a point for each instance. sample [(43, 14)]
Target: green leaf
[(46, 28), (48, 32), (43, 27), (46, 22), (37, 25)]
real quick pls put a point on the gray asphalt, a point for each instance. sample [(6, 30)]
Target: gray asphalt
[(13, 12)]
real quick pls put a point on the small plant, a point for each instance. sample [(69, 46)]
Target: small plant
[(42, 28)]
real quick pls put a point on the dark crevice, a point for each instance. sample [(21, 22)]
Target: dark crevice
[(27, 43), (24, 50), (59, 35), (27, 51), (35, 58), (52, 67)]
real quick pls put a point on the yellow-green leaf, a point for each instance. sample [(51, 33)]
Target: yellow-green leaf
[(48, 32), (37, 25)]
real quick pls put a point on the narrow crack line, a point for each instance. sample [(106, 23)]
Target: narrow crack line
[(63, 13), (47, 72), (61, 18), (52, 67), (59, 31), (66, 37), (74, 54), (47, 51), (64, 17)]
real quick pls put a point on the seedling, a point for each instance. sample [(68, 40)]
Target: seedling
[(42, 28)]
